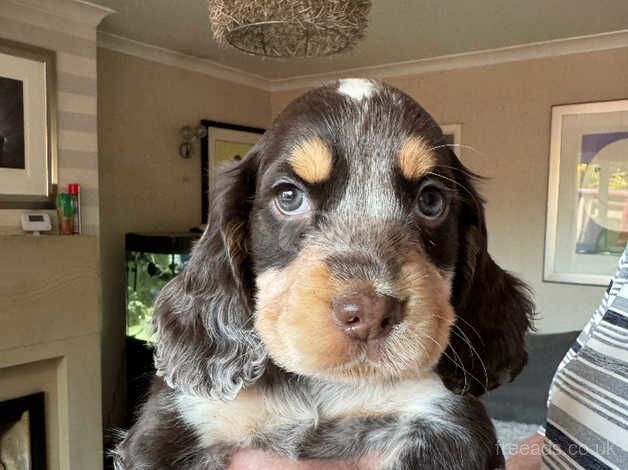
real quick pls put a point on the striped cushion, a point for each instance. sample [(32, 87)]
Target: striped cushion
[(587, 419)]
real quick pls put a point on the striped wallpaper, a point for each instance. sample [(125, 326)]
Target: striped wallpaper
[(74, 41)]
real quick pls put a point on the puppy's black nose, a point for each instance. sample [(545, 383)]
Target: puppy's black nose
[(366, 315)]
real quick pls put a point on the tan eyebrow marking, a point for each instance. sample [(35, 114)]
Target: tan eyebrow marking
[(311, 160), (416, 158)]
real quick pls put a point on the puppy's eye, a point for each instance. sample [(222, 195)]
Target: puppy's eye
[(431, 202), (290, 200)]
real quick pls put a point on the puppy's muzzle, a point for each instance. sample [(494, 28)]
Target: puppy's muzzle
[(365, 315)]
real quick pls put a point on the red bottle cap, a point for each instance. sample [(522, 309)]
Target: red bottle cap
[(74, 188)]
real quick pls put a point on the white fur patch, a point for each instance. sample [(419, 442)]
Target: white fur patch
[(356, 88), (218, 420), (238, 420), (410, 398)]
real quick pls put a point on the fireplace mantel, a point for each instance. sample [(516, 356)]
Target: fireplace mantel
[(50, 339)]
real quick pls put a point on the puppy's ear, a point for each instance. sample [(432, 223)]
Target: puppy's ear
[(206, 344), (493, 308)]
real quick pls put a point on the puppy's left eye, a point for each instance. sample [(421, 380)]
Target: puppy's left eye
[(290, 200), (431, 202)]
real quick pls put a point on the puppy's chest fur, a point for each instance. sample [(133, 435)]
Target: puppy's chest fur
[(285, 416)]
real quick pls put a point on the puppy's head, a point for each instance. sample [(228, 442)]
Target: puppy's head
[(349, 244)]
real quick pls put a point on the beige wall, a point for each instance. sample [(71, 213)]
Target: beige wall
[(505, 115), (504, 109), (145, 185)]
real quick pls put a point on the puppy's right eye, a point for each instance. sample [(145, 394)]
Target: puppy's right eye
[(431, 202), (291, 201)]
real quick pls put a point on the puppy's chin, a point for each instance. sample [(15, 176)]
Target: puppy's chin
[(294, 320)]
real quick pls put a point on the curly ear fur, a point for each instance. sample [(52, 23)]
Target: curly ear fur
[(494, 311), (206, 344)]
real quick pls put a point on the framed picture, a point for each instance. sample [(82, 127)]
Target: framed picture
[(28, 145), (23, 433), (453, 137), (587, 202), (224, 142)]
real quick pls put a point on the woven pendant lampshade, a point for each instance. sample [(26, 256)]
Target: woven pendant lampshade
[(289, 28)]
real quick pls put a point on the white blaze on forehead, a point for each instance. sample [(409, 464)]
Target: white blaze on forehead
[(357, 88)]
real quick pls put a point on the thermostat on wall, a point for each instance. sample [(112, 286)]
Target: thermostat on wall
[(36, 222)]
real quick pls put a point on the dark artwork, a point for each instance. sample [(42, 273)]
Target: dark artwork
[(11, 124)]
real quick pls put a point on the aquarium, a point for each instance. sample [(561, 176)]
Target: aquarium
[(151, 261)]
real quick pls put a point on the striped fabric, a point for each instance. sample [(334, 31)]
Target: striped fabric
[(587, 419)]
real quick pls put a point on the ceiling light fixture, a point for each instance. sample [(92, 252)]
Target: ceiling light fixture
[(295, 28)]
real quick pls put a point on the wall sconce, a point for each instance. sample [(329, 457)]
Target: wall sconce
[(190, 135)]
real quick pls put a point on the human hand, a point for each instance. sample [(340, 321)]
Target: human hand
[(528, 454), (254, 459)]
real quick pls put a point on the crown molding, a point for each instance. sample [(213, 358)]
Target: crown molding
[(178, 59), (78, 11), (536, 50)]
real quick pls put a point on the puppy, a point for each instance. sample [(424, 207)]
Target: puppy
[(341, 302)]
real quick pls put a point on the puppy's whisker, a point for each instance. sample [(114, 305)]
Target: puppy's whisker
[(463, 170), (248, 321), (465, 372), (423, 348), (458, 318), (477, 203), (480, 383), (462, 335), (466, 340), (457, 363), (462, 146), (472, 328), (468, 148)]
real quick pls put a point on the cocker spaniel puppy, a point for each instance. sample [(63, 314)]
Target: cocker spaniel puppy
[(341, 302)]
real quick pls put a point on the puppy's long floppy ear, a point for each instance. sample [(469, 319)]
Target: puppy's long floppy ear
[(493, 308), (206, 344)]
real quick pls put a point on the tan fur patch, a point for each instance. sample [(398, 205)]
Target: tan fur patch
[(228, 420), (311, 160), (294, 316), (429, 314), (295, 321), (416, 158)]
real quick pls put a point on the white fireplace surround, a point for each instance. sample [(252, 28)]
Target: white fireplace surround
[(50, 339)]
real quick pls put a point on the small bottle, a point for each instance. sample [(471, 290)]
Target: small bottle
[(65, 210), (75, 191)]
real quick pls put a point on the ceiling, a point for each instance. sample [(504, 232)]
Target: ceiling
[(399, 30)]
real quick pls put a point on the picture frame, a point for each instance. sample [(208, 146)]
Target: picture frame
[(587, 198), (28, 126), (223, 142), (453, 136)]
